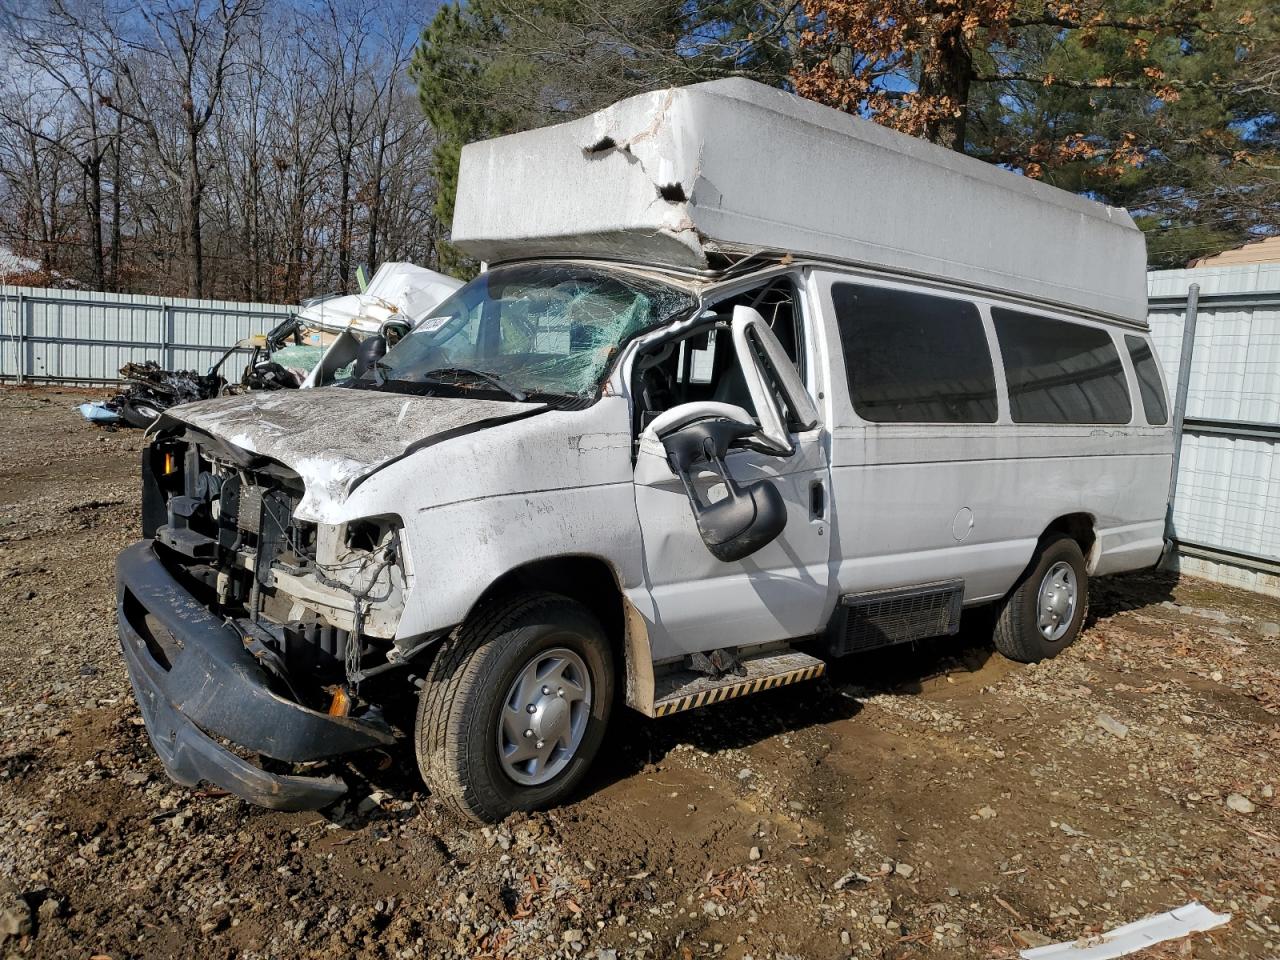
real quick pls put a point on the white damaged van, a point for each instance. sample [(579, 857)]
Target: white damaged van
[(747, 384)]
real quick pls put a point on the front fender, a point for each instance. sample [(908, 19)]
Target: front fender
[(459, 549)]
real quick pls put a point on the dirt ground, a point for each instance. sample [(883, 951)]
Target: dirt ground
[(931, 802)]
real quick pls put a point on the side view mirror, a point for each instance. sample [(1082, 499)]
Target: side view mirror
[(752, 514), (370, 351)]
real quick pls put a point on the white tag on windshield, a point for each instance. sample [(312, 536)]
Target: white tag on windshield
[(432, 324)]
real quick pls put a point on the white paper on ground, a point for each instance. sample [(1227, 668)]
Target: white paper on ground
[(1133, 937)]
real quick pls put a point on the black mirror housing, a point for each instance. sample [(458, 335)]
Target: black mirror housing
[(750, 516), (370, 351)]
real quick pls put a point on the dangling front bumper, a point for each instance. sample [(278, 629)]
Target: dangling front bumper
[(195, 681)]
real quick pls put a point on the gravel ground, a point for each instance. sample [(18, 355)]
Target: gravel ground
[(928, 802)]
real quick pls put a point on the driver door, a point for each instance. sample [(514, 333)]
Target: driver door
[(779, 592)]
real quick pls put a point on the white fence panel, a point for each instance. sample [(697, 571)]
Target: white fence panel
[(1228, 496), (75, 336)]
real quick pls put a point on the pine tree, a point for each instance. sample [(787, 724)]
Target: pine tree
[(491, 67), (1164, 106)]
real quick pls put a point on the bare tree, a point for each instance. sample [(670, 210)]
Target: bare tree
[(219, 148), (61, 43), (342, 48), (32, 160), (188, 55)]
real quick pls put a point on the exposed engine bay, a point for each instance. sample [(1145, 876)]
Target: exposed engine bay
[(317, 604)]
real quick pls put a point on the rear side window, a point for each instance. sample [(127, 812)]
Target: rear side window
[(1149, 384), (1060, 372), (914, 358)]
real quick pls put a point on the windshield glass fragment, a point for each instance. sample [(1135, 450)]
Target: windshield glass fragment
[(533, 328)]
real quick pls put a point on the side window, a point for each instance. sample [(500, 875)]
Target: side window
[(702, 364), (914, 358), (1149, 384), (1060, 372)]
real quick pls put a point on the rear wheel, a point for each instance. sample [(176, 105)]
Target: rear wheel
[(515, 706), (1044, 612)]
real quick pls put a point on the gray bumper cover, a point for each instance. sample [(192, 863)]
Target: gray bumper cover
[(212, 686)]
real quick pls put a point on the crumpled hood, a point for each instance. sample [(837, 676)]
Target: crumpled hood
[(334, 437)]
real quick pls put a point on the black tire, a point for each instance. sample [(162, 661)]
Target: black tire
[(139, 413), (460, 704), (1017, 633)]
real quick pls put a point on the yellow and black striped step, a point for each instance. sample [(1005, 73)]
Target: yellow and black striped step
[(687, 690)]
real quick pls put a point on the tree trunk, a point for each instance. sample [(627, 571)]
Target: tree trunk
[(50, 259), (115, 206), (93, 173), (375, 210), (194, 196), (951, 82), (293, 271), (344, 223)]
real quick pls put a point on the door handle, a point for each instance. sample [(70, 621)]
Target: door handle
[(817, 500)]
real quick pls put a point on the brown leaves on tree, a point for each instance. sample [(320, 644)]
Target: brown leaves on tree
[(916, 65)]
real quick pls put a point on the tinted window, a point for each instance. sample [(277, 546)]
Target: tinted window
[(911, 357), (1060, 372), (1149, 385)]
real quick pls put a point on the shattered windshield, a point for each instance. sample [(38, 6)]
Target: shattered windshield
[(532, 328)]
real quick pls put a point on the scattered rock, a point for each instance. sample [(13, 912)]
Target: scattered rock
[(51, 908), (1112, 725), (853, 877), (1030, 938), (372, 802), (1205, 613), (987, 813), (1240, 803), (904, 869), (754, 854), (15, 918)]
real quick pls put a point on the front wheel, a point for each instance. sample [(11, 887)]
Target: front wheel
[(515, 706), (1045, 611)]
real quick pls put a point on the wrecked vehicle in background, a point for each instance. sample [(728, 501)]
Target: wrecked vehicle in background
[(696, 429), (326, 334), (150, 389), (397, 297)]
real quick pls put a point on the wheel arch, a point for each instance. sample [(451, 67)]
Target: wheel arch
[(1080, 527), (590, 580), (595, 583)]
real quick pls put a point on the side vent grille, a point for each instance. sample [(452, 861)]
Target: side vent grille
[(885, 617)]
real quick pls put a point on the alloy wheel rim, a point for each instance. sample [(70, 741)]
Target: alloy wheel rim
[(544, 716), (1056, 606)]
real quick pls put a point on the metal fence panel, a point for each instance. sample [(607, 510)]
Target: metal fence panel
[(78, 336), (1226, 512), (1228, 495)]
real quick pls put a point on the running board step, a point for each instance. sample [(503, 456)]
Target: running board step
[(687, 690)]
